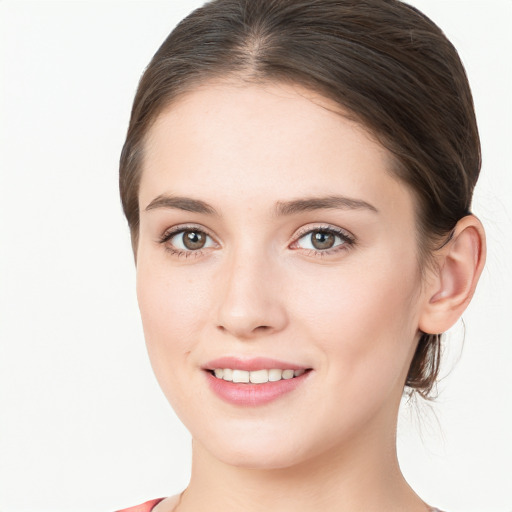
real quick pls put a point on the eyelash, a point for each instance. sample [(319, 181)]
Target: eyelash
[(164, 239), (347, 240)]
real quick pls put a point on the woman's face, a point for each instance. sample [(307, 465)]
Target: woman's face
[(273, 236)]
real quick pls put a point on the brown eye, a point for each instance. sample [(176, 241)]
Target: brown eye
[(188, 240), (322, 239), (194, 240)]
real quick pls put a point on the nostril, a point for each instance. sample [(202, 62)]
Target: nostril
[(262, 328), (256, 330)]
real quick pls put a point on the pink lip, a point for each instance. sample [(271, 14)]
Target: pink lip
[(256, 363), (251, 395)]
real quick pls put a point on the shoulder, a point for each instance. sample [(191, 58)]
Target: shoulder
[(144, 507), (157, 505)]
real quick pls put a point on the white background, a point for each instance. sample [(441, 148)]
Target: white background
[(83, 425)]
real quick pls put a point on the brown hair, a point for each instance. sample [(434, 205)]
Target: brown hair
[(383, 61)]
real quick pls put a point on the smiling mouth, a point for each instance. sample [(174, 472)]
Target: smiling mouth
[(256, 376)]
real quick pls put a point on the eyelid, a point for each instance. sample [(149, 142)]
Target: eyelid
[(323, 227), (343, 234), (348, 238), (169, 232), (175, 230)]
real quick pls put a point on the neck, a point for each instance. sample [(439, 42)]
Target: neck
[(361, 474)]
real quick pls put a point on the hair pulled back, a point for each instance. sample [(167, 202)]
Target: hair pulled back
[(385, 63)]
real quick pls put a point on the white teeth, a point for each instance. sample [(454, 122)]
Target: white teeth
[(240, 376), (257, 376), (275, 375), (287, 374)]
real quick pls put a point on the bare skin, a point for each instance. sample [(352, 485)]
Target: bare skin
[(258, 287)]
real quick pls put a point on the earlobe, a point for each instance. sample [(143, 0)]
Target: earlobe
[(460, 263)]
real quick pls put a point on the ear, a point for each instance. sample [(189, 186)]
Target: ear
[(452, 284)]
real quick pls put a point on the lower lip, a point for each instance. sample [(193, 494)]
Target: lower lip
[(253, 394)]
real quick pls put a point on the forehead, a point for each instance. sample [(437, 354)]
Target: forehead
[(233, 141)]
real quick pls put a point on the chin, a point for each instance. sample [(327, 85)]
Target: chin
[(257, 458), (259, 446)]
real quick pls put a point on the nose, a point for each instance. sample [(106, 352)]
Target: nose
[(250, 303)]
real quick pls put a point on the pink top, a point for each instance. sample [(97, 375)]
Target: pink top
[(148, 506)]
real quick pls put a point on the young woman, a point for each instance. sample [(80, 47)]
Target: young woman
[(297, 178)]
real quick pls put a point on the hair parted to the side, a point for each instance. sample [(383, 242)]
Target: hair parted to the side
[(382, 61)]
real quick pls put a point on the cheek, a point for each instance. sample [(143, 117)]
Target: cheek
[(173, 307), (171, 303), (364, 320)]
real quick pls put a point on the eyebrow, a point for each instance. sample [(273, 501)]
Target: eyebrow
[(282, 208), (181, 203), (321, 203)]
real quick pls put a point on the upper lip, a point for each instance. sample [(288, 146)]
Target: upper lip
[(251, 364)]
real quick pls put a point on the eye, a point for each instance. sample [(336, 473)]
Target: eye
[(324, 240), (186, 240)]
